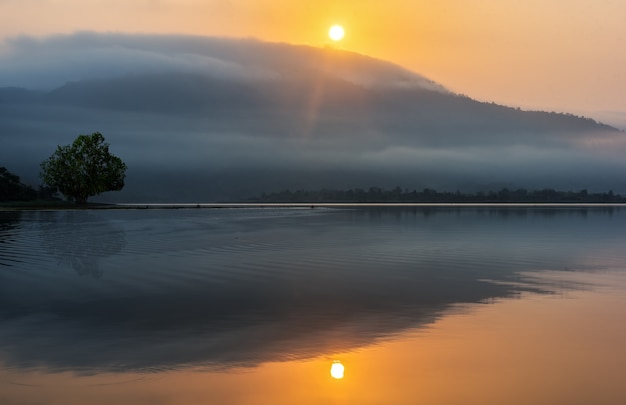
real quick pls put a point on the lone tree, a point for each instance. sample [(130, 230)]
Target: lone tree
[(84, 169)]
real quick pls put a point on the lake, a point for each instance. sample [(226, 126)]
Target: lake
[(432, 305)]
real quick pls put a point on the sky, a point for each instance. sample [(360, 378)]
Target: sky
[(537, 54), (223, 100)]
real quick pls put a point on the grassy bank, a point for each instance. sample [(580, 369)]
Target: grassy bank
[(48, 204)]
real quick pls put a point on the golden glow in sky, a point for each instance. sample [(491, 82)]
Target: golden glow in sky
[(566, 55)]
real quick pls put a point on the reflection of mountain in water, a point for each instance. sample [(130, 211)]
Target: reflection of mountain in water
[(80, 240), (224, 288)]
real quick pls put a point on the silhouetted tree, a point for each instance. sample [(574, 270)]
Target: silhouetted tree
[(84, 169)]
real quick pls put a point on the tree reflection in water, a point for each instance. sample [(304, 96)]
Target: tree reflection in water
[(80, 239)]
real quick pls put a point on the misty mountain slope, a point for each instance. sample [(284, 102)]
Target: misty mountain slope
[(283, 106), (12, 95), (208, 118), (52, 61), (323, 107)]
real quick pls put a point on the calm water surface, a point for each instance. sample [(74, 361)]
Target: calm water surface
[(473, 305)]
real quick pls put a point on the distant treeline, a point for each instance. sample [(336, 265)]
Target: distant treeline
[(398, 195), (12, 189)]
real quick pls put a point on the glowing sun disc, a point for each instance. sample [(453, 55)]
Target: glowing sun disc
[(336, 33), (336, 370)]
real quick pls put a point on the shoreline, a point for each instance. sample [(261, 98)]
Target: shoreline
[(235, 205)]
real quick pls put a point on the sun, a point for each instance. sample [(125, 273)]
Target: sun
[(336, 32), (337, 370)]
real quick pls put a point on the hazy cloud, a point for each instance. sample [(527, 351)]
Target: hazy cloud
[(252, 117)]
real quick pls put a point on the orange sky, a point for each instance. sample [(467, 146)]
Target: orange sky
[(552, 54)]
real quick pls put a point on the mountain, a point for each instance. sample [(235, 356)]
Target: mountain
[(203, 119)]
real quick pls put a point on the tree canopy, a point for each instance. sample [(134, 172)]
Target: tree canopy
[(427, 195), (83, 169), (12, 189)]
